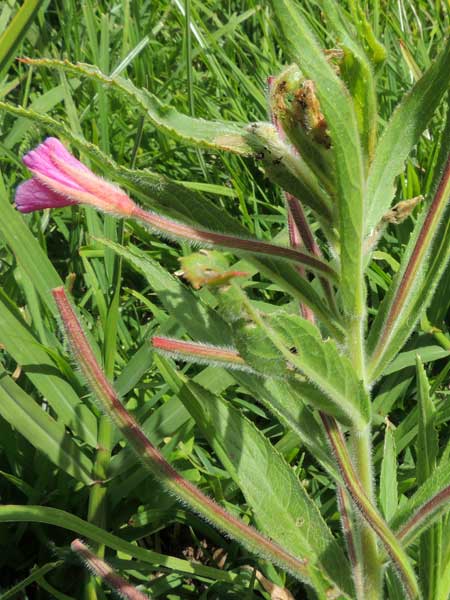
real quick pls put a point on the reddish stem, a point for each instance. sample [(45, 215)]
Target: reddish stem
[(155, 461), (101, 568), (197, 350), (193, 234), (423, 512)]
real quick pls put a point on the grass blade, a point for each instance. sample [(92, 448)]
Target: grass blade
[(41, 430), (15, 32)]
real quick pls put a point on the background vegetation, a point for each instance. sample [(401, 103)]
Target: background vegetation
[(216, 67)]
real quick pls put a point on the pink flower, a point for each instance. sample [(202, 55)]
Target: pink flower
[(59, 179)]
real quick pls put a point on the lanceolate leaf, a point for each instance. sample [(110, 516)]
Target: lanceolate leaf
[(285, 399), (288, 402), (42, 431), (422, 266), (278, 500), (211, 134), (267, 342), (388, 476), (357, 72), (155, 462), (426, 505), (427, 448), (402, 133), (258, 139)]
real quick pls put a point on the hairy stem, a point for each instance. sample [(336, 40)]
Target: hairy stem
[(156, 463), (361, 442), (348, 529), (370, 515), (250, 246), (199, 352), (101, 569)]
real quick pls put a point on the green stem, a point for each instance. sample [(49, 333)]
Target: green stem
[(437, 333), (361, 442), (372, 517), (349, 530), (97, 509), (361, 445)]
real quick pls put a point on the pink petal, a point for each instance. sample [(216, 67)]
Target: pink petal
[(57, 148), (40, 162), (69, 181), (33, 195)]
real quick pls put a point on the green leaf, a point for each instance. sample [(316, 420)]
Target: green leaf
[(42, 431), (408, 358), (357, 72), (427, 439), (258, 139), (60, 518), (35, 575), (405, 522), (15, 32), (267, 342), (288, 400), (337, 106), (211, 134), (422, 266), (42, 371), (402, 133), (279, 502), (388, 476)]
